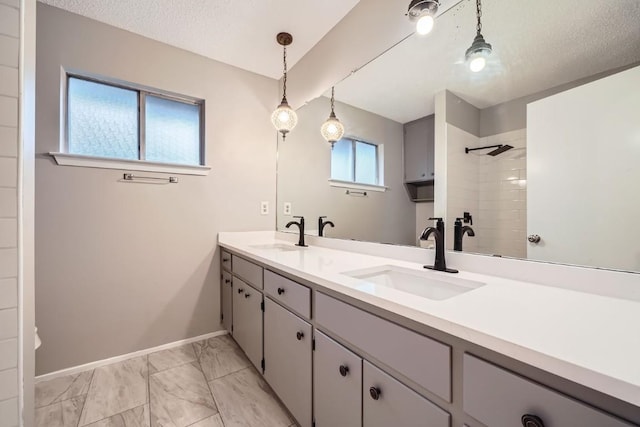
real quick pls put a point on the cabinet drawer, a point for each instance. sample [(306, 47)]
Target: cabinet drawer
[(287, 359), (423, 360), (337, 384), (289, 293), (248, 271), (499, 398), (386, 402), (225, 259)]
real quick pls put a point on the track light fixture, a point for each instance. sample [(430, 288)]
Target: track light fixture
[(423, 13), (476, 56)]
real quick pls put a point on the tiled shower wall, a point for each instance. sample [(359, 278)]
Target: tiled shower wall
[(492, 189), (9, 96), (502, 182)]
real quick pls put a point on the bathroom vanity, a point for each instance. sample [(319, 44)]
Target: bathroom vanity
[(359, 334)]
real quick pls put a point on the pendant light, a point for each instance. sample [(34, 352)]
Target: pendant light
[(284, 118), (423, 13), (476, 56), (332, 130)]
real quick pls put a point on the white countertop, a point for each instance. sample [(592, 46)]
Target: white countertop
[(590, 339)]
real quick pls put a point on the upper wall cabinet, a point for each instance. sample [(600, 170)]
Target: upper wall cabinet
[(418, 150), (419, 141)]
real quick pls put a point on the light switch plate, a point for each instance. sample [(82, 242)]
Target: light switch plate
[(287, 208), (264, 208)]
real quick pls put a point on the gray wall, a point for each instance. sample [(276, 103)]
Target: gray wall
[(17, 113), (512, 115), (304, 168), (124, 266)]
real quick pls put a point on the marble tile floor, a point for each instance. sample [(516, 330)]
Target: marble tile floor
[(210, 383)]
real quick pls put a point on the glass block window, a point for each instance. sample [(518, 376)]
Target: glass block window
[(355, 161), (109, 120)]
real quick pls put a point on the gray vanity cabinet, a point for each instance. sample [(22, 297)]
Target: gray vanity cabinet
[(517, 397), (226, 286), (419, 140), (247, 320), (337, 384), (287, 356), (387, 402)]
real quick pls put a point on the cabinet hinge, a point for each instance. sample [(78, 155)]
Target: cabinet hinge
[(262, 306), (313, 344), (262, 365)]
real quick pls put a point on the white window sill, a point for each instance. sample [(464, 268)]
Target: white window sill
[(66, 159), (356, 186)]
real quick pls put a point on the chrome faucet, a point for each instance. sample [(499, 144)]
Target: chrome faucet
[(459, 231), (439, 263), (322, 224), (300, 228)]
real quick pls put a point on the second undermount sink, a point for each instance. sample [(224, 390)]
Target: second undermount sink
[(283, 247), (426, 284)]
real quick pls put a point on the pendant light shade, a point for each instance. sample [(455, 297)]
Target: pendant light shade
[(423, 13), (284, 119), (476, 56), (332, 129)]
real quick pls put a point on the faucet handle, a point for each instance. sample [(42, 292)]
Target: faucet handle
[(435, 219), (298, 216), (320, 217)]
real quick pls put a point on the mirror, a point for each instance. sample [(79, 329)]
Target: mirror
[(561, 88)]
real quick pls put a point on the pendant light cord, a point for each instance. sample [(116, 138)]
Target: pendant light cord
[(333, 90), (479, 15), (284, 83)]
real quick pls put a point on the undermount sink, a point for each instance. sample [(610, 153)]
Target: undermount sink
[(425, 284), (276, 247)]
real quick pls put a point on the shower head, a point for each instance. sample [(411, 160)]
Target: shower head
[(500, 150)]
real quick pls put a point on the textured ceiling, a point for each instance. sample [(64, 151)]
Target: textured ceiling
[(537, 45), (240, 33)]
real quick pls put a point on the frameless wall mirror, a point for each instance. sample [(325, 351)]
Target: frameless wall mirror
[(539, 149)]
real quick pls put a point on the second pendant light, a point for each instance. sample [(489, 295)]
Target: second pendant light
[(332, 129)]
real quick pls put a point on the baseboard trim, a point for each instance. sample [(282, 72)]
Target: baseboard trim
[(115, 359)]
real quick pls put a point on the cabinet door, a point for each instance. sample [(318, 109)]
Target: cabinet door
[(226, 286), (419, 150), (247, 320), (386, 402), (287, 357), (337, 385)]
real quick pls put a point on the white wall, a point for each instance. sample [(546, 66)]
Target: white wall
[(125, 266), (583, 147), (17, 53), (304, 169), (9, 143)]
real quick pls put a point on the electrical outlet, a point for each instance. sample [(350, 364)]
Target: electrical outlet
[(264, 208), (287, 208)]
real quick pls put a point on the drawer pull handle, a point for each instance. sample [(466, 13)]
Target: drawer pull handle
[(299, 335), (280, 291), (531, 421), (225, 259), (247, 295), (375, 393), (344, 370), (240, 290), (227, 281)]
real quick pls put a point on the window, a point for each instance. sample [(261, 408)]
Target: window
[(355, 161), (113, 121)]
